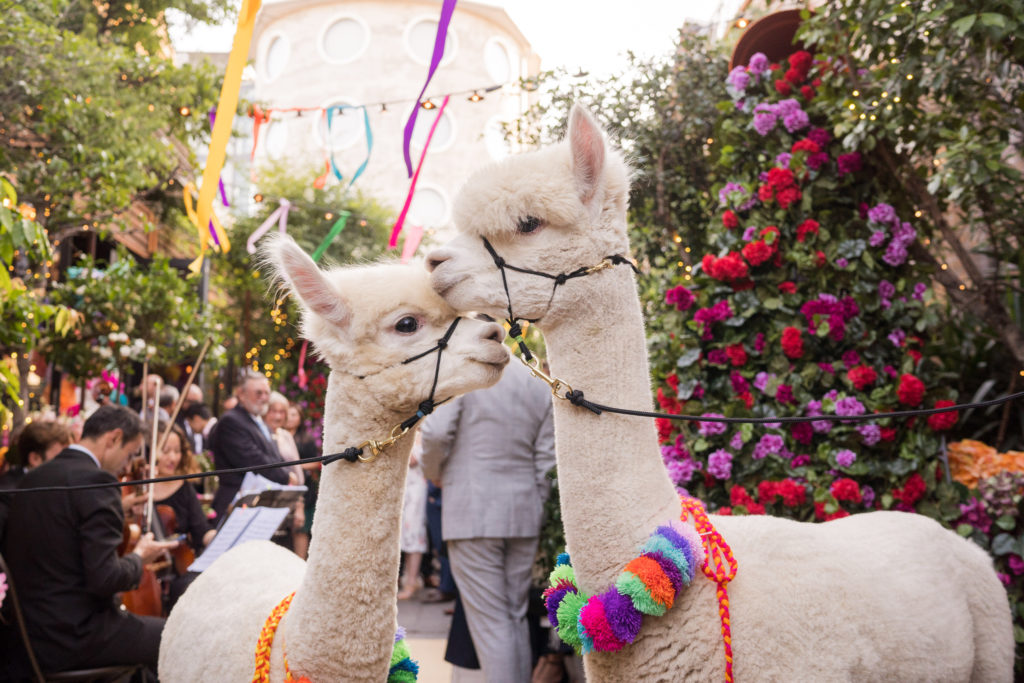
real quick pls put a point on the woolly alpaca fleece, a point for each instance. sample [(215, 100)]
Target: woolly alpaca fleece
[(342, 621), (877, 596)]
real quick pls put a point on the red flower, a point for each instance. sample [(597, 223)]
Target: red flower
[(838, 514), (802, 432), (730, 220), (808, 92), (793, 493), (784, 394), (794, 76), (664, 429), (805, 145), (820, 259), (747, 398), (862, 376), (766, 491), (792, 343), (783, 87), (668, 403), (845, 489), (765, 193), (888, 433), (787, 287), (808, 227), (801, 60), (757, 252), (755, 508), (737, 354), (770, 235), (788, 196), (739, 496), (725, 512), (912, 490), (940, 422), (781, 178), (727, 269), (915, 354), (910, 391), (673, 381)]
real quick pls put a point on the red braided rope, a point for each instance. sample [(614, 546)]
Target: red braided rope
[(262, 672), (718, 554)]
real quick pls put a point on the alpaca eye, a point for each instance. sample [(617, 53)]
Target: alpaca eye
[(407, 325), (528, 224)]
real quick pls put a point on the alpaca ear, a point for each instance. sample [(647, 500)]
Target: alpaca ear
[(305, 279), (586, 142)]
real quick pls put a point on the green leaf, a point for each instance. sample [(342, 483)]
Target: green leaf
[(1004, 544), (1006, 522), (992, 19), (964, 530), (688, 358)]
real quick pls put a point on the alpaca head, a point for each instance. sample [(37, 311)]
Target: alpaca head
[(366, 320), (553, 210)]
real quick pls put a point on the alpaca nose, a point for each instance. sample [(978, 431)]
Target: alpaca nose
[(436, 258), (493, 332)]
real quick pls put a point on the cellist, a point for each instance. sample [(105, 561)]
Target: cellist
[(61, 548)]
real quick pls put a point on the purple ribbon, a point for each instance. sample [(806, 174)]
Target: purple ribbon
[(447, 9), (220, 182), (280, 215)]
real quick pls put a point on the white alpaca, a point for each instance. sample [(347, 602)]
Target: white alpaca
[(873, 597), (341, 624)]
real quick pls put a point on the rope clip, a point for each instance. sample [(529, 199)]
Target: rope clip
[(603, 265), (378, 447), (558, 388)]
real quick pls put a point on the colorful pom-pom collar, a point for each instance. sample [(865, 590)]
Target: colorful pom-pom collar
[(402, 668), (649, 584)]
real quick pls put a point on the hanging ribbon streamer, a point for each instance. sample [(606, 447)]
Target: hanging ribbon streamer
[(447, 9), (213, 229), (335, 230), (369, 146), (412, 186), (303, 378), (412, 240), (280, 215), (220, 181), (226, 105)]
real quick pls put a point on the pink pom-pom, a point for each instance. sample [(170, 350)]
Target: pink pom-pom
[(595, 626), (693, 538)]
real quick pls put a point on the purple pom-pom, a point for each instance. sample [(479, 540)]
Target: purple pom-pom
[(552, 600), (679, 541), (400, 634), (623, 618)]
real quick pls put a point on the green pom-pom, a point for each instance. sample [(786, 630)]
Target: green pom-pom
[(569, 618), (630, 584), (562, 571), (402, 677), (400, 652)]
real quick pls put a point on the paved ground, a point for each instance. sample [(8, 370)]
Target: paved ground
[(426, 627)]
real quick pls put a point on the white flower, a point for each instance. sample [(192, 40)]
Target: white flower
[(104, 351), (124, 351)]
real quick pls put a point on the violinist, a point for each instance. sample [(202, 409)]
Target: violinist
[(178, 503), (61, 547)]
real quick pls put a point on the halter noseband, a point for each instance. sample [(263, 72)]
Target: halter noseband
[(425, 407), (514, 330)]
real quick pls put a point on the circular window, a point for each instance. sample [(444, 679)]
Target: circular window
[(344, 40), (494, 139), (275, 139), (497, 61), (419, 41), (429, 207), (444, 135), (347, 127), (276, 57)]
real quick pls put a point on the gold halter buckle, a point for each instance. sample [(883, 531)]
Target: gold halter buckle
[(557, 385), (378, 447)]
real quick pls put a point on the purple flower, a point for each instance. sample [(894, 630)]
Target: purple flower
[(782, 160), (973, 513), (749, 233), (827, 367), (812, 408), (680, 297), (886, 290), (851, 358), (817, 160), (877, 237), (821, 426), (739, 79), (758, 64), (739, 382), (845, 457), (787, 106), (841, 262), (736, 442), (869, 434), (904, 234), (769, 443), (759, 342), (848, 163), (711, 428), (895, 254), (919, 289), (796, 120), (882, 213), (681, 471), (1016, 564), (761, 380), (764, 122), (784, 394), (897, 337), (891, 371), (720, 464), (718, 357), (730, 188), (849, 406)]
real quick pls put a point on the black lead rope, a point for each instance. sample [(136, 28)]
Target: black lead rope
[(514, 330)]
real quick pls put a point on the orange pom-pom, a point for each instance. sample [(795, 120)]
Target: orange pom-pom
[(657, 582)]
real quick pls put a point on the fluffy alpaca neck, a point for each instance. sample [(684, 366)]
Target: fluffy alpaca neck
[(613, 486), (341, 624)]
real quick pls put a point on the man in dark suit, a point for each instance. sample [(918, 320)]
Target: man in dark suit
[(61, 547), (241, 439)]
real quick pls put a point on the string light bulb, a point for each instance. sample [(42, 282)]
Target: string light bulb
[(742, 22), (184, 111), (475, 97), (428, 104)]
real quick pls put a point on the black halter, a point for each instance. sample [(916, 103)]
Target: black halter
[(425, 408), (514, 330)]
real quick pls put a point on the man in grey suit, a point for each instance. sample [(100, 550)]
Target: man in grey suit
[(491, 450)]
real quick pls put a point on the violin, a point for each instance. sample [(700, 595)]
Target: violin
[(182, 556), (147, 598)]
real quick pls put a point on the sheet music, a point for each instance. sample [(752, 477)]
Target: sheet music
[(244, 524), (257, 483)]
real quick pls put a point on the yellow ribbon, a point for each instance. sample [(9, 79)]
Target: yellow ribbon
[(226, 106), (204, 235)]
